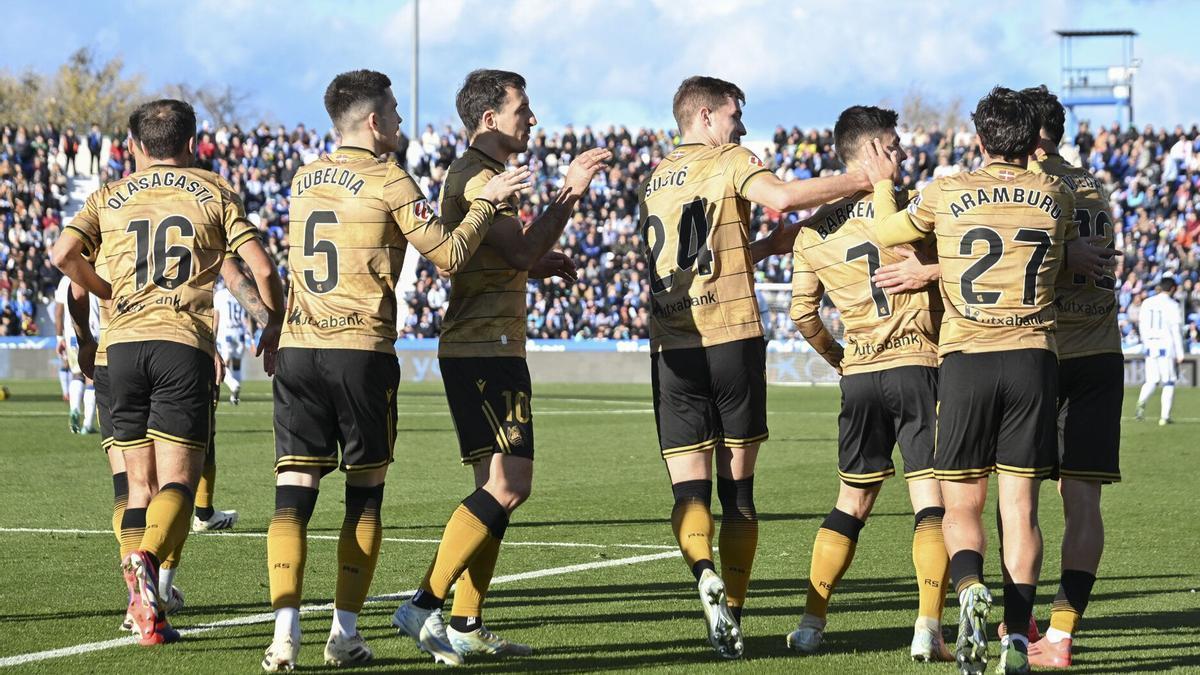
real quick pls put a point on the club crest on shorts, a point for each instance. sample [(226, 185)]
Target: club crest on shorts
[(513, 432)]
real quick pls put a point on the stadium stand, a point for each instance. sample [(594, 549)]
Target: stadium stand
[(1153, 177)]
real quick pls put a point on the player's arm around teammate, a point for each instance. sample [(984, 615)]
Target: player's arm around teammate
[(352, 217), (481, 353)]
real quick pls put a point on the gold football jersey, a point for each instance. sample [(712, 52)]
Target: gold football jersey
[(163, 232), (487, 312), (1087, 310), (837, 254), (695, 222), (1000, 234), (352, 217)]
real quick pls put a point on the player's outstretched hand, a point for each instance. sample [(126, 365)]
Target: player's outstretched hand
[(1088, 256), (584, 167), (909, 275), (554, 264), (879, 163), (268, 345), (505, 184)]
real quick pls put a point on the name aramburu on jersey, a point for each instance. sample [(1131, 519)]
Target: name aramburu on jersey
[(1004, 195)]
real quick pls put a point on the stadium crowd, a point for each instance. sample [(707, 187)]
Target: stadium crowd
[(1153, 177)]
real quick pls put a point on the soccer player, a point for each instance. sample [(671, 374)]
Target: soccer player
[(1160, 325), (94, 363), (482, 358), (708, 356), (352, 217), (163, 232), (231, 338), (1091, 389), (81, 390), (889, 387), (1000, 236)]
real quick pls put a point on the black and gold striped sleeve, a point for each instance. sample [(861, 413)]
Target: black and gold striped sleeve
[(238, 230), (447, 247)]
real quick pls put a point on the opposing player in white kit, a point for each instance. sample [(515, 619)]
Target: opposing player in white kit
[(1161, 326), (81, 391), (231, 338)]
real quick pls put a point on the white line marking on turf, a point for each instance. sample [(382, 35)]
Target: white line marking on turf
[(267, 617), (330, 537)]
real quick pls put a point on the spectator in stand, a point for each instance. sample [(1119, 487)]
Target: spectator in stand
[(70, 148), (95, 141)]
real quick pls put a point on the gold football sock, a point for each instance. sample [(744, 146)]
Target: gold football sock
[(478, 519), (167, 519), (1074, 591), (472, 587), (120, 501), (738, 539), (692, 523), (133, 526), (287, 543), (206, 485), (358, 546), (931, 563), (833, 551)]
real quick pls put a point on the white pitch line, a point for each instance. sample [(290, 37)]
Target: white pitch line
[(330, 537), (267, 617)]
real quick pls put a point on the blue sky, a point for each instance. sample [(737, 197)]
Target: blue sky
[(616, 61)]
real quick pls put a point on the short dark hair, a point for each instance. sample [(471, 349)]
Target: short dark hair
[(483, 90), (700, 91), (164, 127), (1051, 113), (859, 122), (1007, 123), (353, 90), (1167, 284)]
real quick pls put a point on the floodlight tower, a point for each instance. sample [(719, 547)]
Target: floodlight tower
[(1094, 85)]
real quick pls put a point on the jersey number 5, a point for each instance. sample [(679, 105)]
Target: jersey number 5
[(313, 246), (164, 251), (691, 246)]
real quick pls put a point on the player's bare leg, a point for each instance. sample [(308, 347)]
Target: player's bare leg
[(692, 522), (833, 551), (933, 570), (287, 548), (962, 528), (1018, 500), (509, 480), (176, 468), (1082, 547)]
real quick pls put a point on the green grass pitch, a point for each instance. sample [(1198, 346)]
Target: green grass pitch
[(587, 574)]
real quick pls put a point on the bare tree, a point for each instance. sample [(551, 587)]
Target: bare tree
[(919, 109), (85, 90), (222, 105)]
